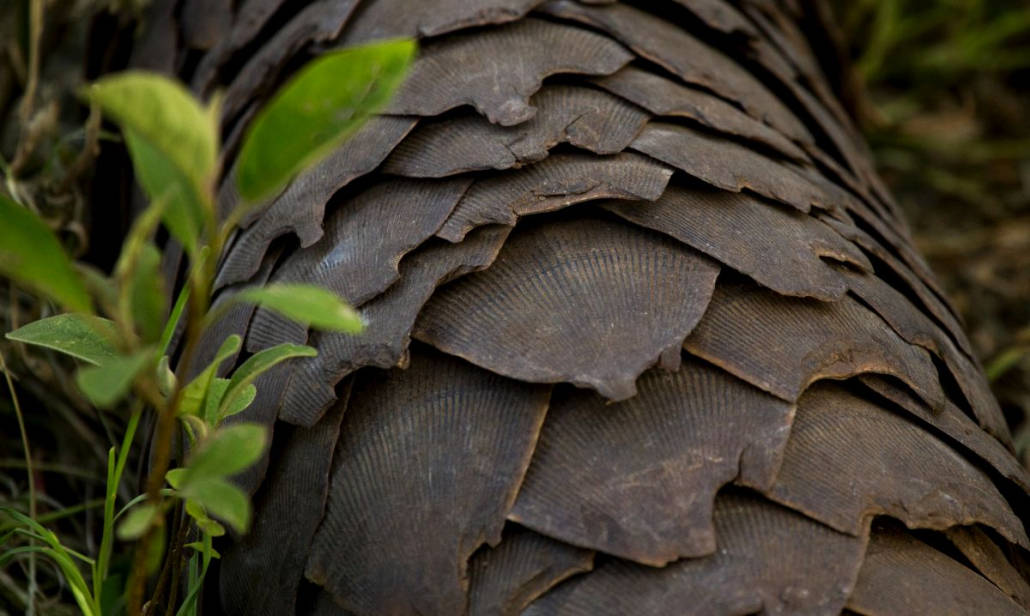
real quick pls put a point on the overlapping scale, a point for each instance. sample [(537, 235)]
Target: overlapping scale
[(637, 478), (685, 56), (665, 97), (504, 579), (388, 322), (496, 71), (427, 467), (902, 576), (584, 117), (848, 459), (262, 571), (551, 309), (777, 247), (556, 182), (357, 258), (770, 560), (782, 344), (301, 206)]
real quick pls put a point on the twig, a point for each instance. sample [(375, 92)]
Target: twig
[(32, 78)]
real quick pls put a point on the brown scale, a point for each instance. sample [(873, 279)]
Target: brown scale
[(504, 579), (782, 344), (445, 443), (357, 258), (301, 206), (848, 459), (250, 18), (914, 326), (953, 423), (977, 546), (262, 571), (932, 302), (770, 560), (205, 23), (498, 70), (317, 22), (425, 18), (902, 576), (731, 166), (551, 309), (554, 183), (664, 97), (388, 318), (776, 246), (637, 479), (675, 50), (581, 116)]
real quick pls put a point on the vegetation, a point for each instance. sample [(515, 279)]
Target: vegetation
[(117, 328)]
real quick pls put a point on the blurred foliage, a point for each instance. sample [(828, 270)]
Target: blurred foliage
[(942, 90)]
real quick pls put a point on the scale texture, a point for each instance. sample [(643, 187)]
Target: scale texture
[(646, 333)]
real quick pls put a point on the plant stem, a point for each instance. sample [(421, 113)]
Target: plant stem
[(30, 608), (32, 78), (164, 431)]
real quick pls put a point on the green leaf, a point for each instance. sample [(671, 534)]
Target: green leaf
[(306, 304), (222, 500), (204, 523), (165, 377), (136, 523), (214, 396), (162, 181), (194, 393), (82, 336), (164, 114), (147, 294), (225, 452), (327, 101), (239, 402), (107, 384), (31, 255), (173, 318), (200, 547), (175, 477), (257, 364)]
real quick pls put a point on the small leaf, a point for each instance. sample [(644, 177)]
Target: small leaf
[(173, 318), (214, 396), (137, 521), (200, 547), (239, 402), (222, 500), (82, 336), (259, 363), (107, 384), (195, 392), (226, 452), (327, 101), (165, 114), (165, 377), (204, 523), (175, 477), (162, 181), (147, 294), (306, 304), (31, 255)]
